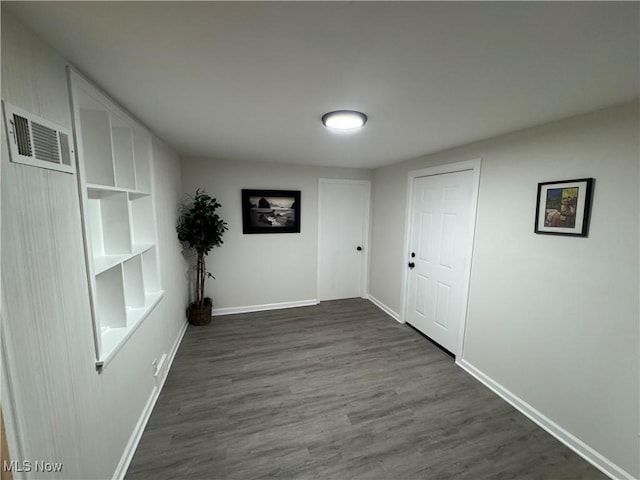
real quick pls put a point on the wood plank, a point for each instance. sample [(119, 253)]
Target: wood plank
[(337, 390)]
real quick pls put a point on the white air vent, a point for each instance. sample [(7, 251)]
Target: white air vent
[(37, 142)]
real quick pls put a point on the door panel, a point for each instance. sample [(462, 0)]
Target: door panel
[(426, 220), (422, 295), (443, 297), (343, 225), (447, 240), (440, 226)]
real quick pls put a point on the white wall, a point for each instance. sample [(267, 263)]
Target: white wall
[(566, 344), (253, 270), (553, 320), (64, 410)]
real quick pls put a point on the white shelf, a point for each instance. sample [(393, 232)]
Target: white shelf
[(142, 219), (123, 155), (115, 160), (141, 248), (113, 339), (109, 222), (109, 297), (105, 262), (96, 142), (94, 187), (136, 314), (133, 283), (133, 194), (142, 154)]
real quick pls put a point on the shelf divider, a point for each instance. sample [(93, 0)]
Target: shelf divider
[(115, 166)]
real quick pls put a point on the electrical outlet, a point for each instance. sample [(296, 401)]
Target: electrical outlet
[(154, 366), (160, 368)]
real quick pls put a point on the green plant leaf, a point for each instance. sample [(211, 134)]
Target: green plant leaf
[(200, 228)]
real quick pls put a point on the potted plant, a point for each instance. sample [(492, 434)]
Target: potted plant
[(201, 229)]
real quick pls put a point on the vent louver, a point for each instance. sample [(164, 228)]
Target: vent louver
[(36, 141), (21, 125), (45, 143)]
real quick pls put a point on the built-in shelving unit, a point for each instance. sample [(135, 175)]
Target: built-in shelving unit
[(115, 166)]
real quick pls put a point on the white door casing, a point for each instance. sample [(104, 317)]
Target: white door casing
[(343, 226), (441, 211)]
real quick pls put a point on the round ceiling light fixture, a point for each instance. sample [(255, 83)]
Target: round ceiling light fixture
[(344, 120)]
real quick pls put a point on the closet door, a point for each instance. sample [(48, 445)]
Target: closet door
[(343, 238)]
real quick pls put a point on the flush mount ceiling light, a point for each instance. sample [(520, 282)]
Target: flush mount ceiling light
[(344, 120)]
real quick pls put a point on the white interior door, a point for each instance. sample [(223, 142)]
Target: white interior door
[(343, 238), (440, 238)]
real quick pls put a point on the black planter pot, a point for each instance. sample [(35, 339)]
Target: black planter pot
[(200, 315)]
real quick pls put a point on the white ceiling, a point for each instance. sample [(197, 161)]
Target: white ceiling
[(250, 80)]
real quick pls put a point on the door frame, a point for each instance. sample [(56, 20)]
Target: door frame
[(474, 166), (366, 233)]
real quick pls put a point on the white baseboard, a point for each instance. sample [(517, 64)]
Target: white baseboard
[(132, 445), (585, 451), (384, 308), (260, 308)]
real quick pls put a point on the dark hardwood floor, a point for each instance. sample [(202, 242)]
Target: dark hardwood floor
[(335, 391)]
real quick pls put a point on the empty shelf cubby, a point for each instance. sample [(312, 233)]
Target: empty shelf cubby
[(115, 161)]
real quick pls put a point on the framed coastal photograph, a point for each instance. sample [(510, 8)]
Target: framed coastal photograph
[(270, 211), (563, 207)]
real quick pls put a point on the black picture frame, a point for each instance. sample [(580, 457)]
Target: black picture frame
[(563, 207), (270, 211)]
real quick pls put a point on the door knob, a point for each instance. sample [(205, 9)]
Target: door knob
[(411, 264), (359, 248)]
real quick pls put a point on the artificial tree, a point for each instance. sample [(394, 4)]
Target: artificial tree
[(201, 229)]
